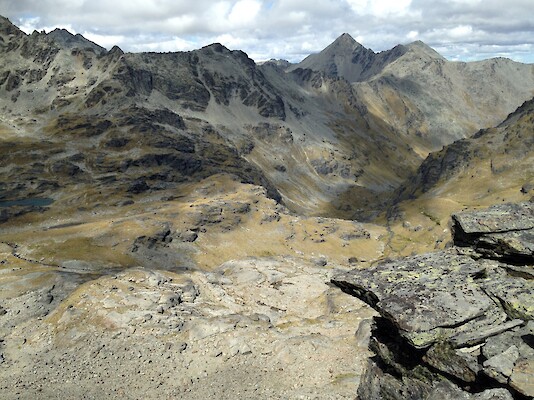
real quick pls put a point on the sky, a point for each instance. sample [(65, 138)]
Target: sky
[(463, 30)]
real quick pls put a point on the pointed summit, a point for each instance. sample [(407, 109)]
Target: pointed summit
[(116, 50), (67, 40), (344, 43), (344, 39), (423, 49), (7, 27), (344, 57)]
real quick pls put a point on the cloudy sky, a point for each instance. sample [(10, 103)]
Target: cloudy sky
[(289, 29)]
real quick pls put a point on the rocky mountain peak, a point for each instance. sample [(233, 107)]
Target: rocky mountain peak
[(7, 27), (346, 40), (217, 48), (280, 63), (344, 45), (5, 22), (422, 48), (344, 58), (69, 41), (62, 32), (116, 50)]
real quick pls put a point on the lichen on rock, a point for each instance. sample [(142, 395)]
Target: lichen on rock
[(454, 324)]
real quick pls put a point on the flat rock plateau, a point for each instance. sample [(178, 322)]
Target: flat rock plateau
[(180, 225)]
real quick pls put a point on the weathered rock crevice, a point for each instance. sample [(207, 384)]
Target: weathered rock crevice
[(455, 324)]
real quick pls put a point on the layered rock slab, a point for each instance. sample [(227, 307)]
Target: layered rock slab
[(501, 231), (455, 323)]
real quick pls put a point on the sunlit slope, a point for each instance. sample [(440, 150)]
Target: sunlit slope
[(495, 166)]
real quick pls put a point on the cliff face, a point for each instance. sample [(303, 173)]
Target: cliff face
[(455, 324)]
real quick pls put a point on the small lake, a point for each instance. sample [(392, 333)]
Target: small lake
[(29, 202)]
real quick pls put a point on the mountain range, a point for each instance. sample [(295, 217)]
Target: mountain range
[(333, 135)]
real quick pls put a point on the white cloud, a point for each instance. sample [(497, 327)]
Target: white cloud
[(229, 41), (179, 23), (464, 29), (412, 35), (173, 44), (466, 2), (244, 12), (29, 25), (380, 8), (217, 14), (461, 31), (107, 41)]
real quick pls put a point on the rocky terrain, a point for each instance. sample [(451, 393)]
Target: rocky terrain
[(170, 223), (151, 333), (218, 292), (455, 324)]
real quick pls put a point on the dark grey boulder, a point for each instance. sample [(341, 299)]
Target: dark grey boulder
[(429, 297), (502, 231), (459, 323)]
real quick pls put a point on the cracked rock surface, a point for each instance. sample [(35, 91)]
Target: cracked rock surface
[(458, 323)]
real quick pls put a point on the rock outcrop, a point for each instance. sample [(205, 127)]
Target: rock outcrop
[(499, 232), (455, 324)]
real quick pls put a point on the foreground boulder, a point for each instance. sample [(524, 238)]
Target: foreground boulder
[(455, 324)]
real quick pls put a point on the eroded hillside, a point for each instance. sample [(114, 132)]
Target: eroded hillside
[(494, 166)]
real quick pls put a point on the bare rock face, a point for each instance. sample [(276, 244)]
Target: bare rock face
[(501, 231), (68, 40), (455, 324)]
